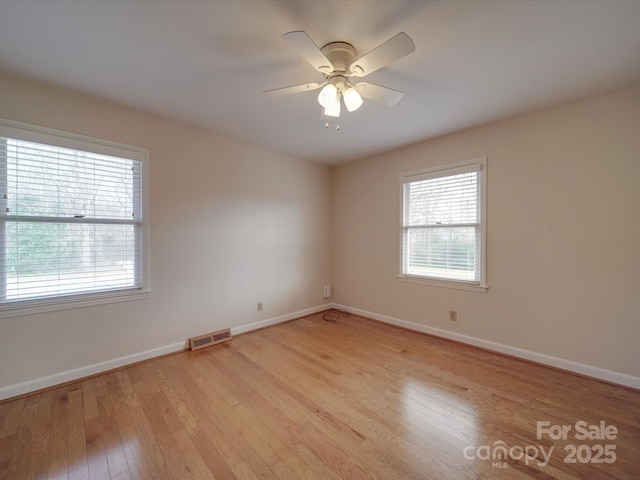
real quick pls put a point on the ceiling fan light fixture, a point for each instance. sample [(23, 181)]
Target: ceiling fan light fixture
[(352, 99), (328, 96)]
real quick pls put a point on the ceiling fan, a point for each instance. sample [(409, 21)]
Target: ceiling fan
[(339, 63)]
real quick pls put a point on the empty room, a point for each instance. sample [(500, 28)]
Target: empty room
[(320, 240)]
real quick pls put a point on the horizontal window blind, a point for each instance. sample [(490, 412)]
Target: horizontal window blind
[(70, 223), (446, 200), (441, 228)]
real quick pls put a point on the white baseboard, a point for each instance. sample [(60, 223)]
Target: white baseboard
[(274, 321), (87, 371), (29, 386), (561, 363)]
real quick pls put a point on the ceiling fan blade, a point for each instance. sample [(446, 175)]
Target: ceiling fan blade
[(305, 87), (302, 43), (393, 49), (378, 94)]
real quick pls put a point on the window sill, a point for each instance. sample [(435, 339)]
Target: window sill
[(52, 305), (444, 283)]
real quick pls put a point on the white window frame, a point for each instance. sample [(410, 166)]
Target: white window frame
[(443, 171), (32, 133)]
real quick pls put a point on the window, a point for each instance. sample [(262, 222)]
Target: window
[(443, 225), (72, 222)]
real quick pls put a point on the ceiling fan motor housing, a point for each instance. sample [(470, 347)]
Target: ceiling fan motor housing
[(341, 55)]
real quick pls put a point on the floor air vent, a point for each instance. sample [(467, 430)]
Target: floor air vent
[(202, 341)]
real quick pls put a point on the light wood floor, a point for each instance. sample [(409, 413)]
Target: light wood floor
[(309, 399)]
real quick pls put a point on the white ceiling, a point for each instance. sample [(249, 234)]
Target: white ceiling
[(207, 62)]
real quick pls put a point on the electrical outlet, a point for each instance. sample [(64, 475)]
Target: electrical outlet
[(327, 291), (259, 306), (453, 315)]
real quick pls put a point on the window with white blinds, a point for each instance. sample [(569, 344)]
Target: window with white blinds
[(443, 228), (71, 222)]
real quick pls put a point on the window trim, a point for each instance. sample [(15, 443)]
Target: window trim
[(39, 134), (434, 172)]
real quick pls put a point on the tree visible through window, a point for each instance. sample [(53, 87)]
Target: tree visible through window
[(443, 223), (71, 220)]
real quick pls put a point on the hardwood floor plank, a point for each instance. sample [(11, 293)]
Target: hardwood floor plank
[(14, 442), (315, 400), (58, 460), (117, 400), (41, 438), (78, 467), (212, 457), (339, 458), (138, 468), (207, 370), (96, 454), (271, 436), (90, 403), (24, 439), (315, 463), (116, 458), (152, 403), (4, 409), (7, 444), (194, 460), (11, 418), (122, 476), (283, 472), (175, 399), (147, 446), (151, 449), (243, 472)]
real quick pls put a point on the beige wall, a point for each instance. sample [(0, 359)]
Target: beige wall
[(231, 225), (563, 234)]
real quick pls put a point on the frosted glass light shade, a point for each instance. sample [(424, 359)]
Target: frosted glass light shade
[(328, 95), (352, 99), (333, 110)]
